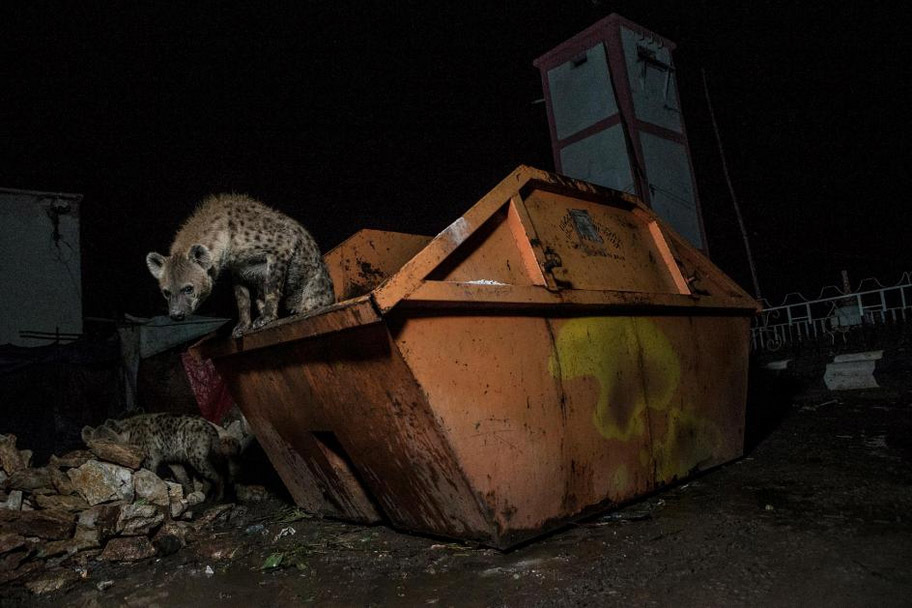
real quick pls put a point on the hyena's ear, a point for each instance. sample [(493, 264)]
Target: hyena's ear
[(200, 254), (156, 264)]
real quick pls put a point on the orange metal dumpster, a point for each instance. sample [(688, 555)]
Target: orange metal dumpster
[(554, 351)]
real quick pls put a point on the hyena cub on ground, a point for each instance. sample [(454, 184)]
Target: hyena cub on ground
[(174, 440), (265, 251)]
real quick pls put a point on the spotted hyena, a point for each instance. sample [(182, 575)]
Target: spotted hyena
[(267, 253), (168, 439)]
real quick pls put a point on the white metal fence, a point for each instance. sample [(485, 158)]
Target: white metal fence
[(831, 316)]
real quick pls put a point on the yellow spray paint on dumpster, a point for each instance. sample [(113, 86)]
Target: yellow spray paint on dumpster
[(633, 362)]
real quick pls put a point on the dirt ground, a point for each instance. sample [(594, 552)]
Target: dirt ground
[(819, 513)]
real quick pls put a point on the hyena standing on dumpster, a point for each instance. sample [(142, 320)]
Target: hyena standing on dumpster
[(265, 250)]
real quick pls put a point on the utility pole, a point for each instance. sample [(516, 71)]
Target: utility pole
[(731, 189)]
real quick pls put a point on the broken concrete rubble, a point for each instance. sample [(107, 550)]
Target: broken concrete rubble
[(53, 580), (12, 566), (127, 549), (125, 455), (13, 501), (10, 458), (82, 539), (47, 524), (171, 537), (30, 479), (10, 541), (61, 482), (11, 561), (71, 460), (195, 498), (150, 487), (61, 503), (100, 482), (178, 507), (84, 506), (102, 518), (175, 490), (137, 519)]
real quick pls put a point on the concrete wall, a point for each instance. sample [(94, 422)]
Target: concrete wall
[(40, 277)]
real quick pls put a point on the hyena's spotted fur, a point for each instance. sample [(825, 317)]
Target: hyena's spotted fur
[(174, 440), (267, 253)]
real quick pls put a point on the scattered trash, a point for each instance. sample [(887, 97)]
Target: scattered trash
[(209, 571), (625, 516), (290, 515), (813, 407), (450, 546), (255, 529), (286, 531), (273, 561), (769, 508), (102, 585)]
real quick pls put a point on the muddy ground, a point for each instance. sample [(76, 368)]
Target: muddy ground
[(819, 513)]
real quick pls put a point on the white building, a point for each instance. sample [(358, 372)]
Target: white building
[(40, 267)]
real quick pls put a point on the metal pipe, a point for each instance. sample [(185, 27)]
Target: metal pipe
[(731, 190)]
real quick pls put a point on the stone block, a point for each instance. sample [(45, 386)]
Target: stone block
[(150, 487), (10, 541), (136, 519), (49, 524), (13, 501), (62, 503), (10, 458), (100, 482), (171, 537), (124, 454), (61, 482), (30, 479), (127, 549), (71, 460), (102, 518), (52, 580)]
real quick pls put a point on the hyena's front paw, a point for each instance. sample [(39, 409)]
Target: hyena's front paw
[(262, 321), (240, 329)]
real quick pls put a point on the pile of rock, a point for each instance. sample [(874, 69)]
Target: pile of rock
[(88, 504)]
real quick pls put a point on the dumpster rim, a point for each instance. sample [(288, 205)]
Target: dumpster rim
[(348, 314)]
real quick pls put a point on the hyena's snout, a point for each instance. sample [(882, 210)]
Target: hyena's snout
[(179, 308)]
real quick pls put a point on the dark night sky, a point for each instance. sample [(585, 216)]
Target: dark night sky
[(400, 117)]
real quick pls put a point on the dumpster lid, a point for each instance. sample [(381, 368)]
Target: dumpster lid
[(542, 239), (536, 241)]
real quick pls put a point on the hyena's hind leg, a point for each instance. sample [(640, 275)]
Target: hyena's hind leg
[(313, 288), (208, 468), (271, 293), (183, 478)]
